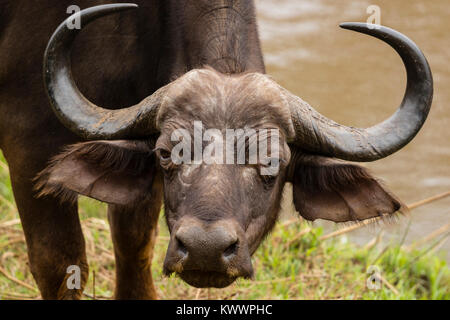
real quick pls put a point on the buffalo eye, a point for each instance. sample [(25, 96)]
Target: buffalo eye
[(164, 157), (269, 172), (269, 180)]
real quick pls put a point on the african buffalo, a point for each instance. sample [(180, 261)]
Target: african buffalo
[(174, 63)]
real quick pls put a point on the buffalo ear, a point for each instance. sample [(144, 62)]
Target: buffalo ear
[(117, 172), (331, 189)]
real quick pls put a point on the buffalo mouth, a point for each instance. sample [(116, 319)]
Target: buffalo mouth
[(206, 279)]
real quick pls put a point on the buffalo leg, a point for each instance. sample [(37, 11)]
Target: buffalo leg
[(53, 235), (134, 232)]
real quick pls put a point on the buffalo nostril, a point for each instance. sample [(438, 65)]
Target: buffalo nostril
[(181, 247), (231, 250)]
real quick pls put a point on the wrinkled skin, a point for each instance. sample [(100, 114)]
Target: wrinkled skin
[(217, 214)]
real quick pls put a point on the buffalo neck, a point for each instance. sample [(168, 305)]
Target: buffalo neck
[(218, 33)]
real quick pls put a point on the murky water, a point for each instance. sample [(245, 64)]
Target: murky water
[(357, 80)]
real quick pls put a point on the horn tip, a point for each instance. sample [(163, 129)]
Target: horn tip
[(127, 5), (118, 6), (353, 25)]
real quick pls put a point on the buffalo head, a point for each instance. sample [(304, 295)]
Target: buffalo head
[(218, 212)]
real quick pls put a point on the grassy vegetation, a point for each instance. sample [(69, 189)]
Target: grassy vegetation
[(291, 264)]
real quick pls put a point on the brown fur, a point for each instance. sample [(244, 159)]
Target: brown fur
[(132, 158), (325, 174), (326, 188)]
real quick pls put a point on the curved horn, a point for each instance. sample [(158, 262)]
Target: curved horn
[(316, 133), (75, 111)]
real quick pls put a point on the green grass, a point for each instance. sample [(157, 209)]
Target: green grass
[(287, 266)]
